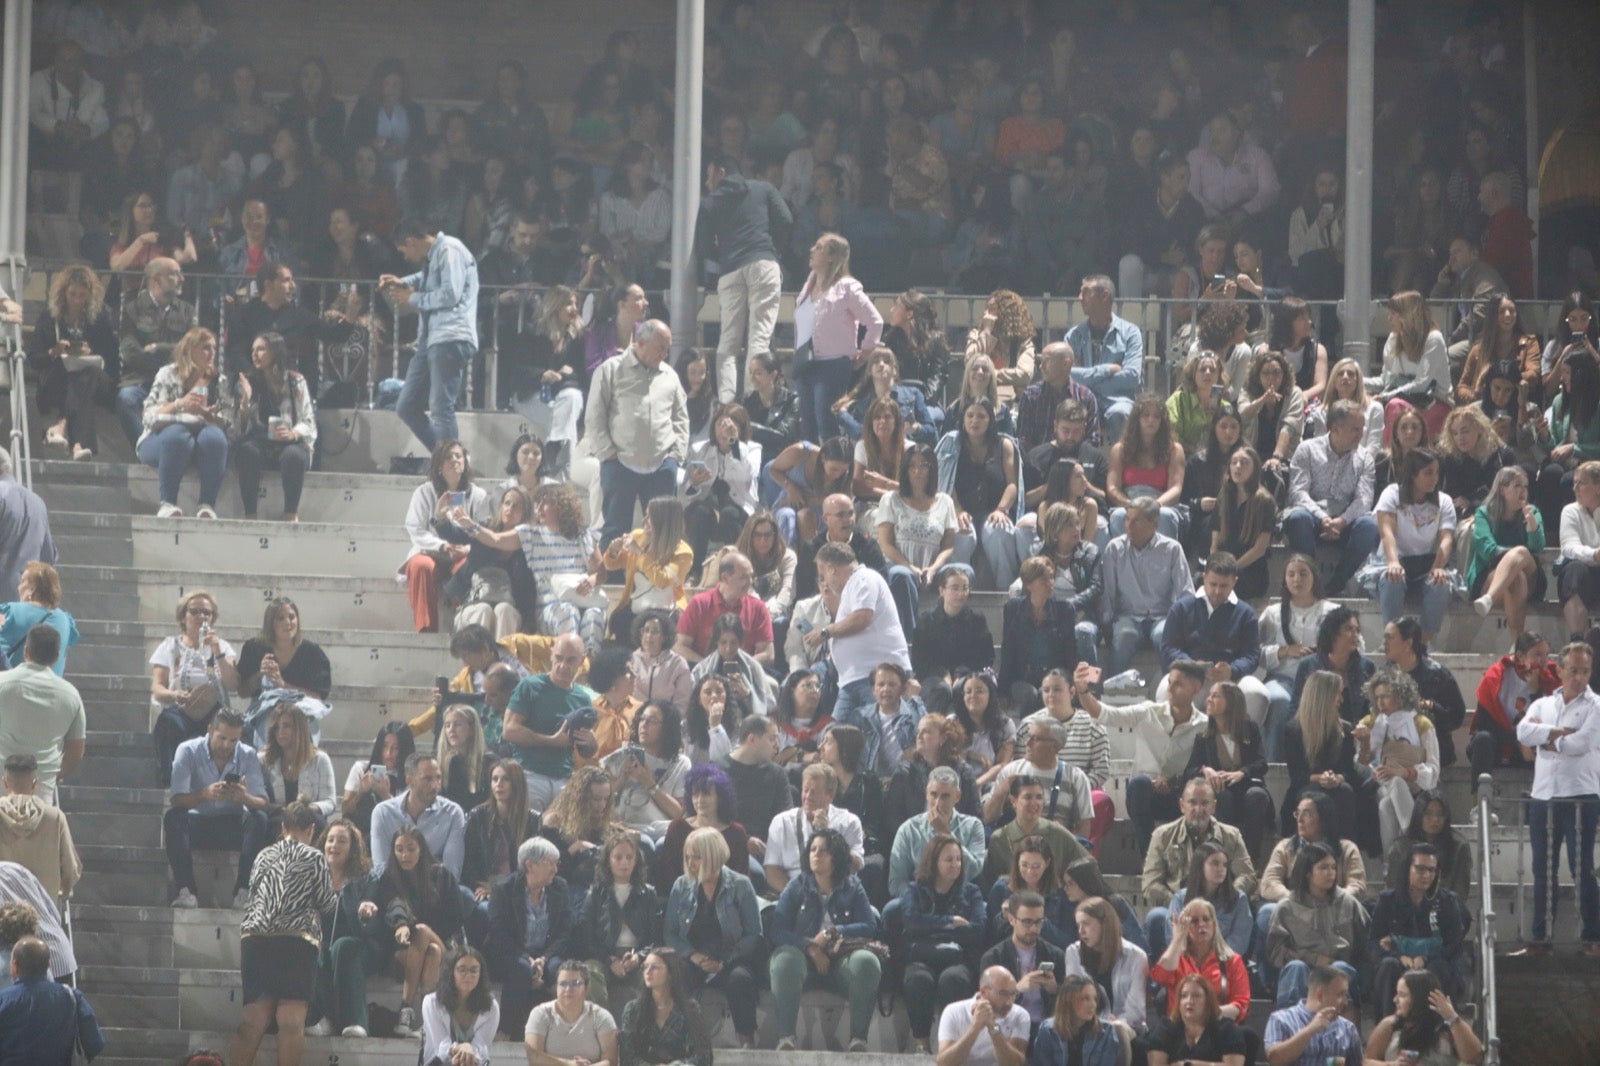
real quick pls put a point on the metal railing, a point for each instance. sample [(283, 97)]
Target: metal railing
[(19, 444), (1489, 1007)]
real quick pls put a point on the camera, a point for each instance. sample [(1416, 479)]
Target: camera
[(583, 718)]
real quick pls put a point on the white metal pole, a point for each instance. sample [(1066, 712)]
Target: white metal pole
[(1530, 93), (684, 301), (1358, 185)]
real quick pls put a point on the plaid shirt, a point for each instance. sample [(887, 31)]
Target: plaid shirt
[(1036, 412)]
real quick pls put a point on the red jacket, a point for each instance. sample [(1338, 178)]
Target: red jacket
[(1498, 718), (1508, 247), (1236, 990)]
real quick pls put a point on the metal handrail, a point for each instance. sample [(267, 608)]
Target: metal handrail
[(20, 445), (1489, 1011)]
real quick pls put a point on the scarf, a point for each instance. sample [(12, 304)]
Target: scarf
[(1401, 725)]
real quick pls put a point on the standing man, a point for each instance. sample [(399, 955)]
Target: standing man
[(151, 327), (638, 425), (1330, 494), (865, 632), (737, 221), (1563, 728), (219, 800), (445, 295), (1109, 352), (1508, 238), (1468, 280), (989, 1029), (537, 727), (41, 714), (442, 822)]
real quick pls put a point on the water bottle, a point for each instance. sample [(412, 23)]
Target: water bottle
[(1126, 679)]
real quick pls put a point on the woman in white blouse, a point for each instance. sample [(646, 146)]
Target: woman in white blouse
[(189, 670), (838, 309), (1416, 543), (1346, 383), (296, 769), (188, 417), (1288, 634), (460, 1017), (916, 530), (720, 482), (1416, 364), (432, 559)]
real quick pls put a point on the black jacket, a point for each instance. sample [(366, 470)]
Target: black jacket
[(443, 915), (1435, 682), (775, 427), (945, 645), (600, 920), (508, 919), (1016, 634), (1252, 757), (479, 850), (1005, 954), (741, 222)]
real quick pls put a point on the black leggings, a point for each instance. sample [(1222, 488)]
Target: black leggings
[(737, 983), (927, 992), (250, 457), (704, 520)]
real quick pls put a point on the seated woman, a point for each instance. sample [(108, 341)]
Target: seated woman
[(1147, 461), (1210, 880), (1082, 880), (1401, 745), (880, 451), (860, 792), (815, 914), (795, 483), (295, 768), (1005, 336), (1471, 454), (800, 719), (1338, 651), (722, 484), (1246, 517), (1205, 474), (1195, 404), (1321, 753), (712, 718), (620, 915), (432, 559), (978, 383), (74, 350), (981, 470), (277, 425), (991, 733), (495, 586), (746, 680), (1273, 410), (1075, 1032), (649, 774), (882, 382), (1200, 1029), (381, 776), (1228, 755), (699, 392), (577, 822), (1503, 340), (464, 757), (1430, 824), (413, 912), (659, 672), (527, 469), (529, 932), (1115, 964), (1439, 697), (188, 417), (1425, 1027), (460, 1017), (656, 562), (1033, 869), (1292, 335), (1318, 924), (1346, 383), (570, 1028), (495, 830), (1199, 949), (951, 638), (38, 602), (1316, 822), (281, 657), (943, 916), (710, 805), (773, 407), (1288, 633), (712, 921), (340, 1002), (663, 1025), (190, 675), (918, 343), (1079, 575), (916, 527), (1416, 366), (1038, 635), (1503, 569)]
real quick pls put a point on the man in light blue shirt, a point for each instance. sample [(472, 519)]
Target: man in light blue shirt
[(1144, 573), (219, 802), (1110, 354), (442, 822), (445, 294), (1314, 1032), (941, 817)]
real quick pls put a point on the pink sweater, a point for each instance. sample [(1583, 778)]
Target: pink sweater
[(840, 311)]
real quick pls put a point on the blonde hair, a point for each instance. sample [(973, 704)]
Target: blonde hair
[(837, 250), (1360, 396), (1489, 441), (1057, 517), (1318, 714), (183, 355), (76, 274), (304, 750), (1416, 322), (45, 583), (556, 298), (474, 750), (708, 846), (198, 594), (1218, 943), (1495, 504), (992, 394)]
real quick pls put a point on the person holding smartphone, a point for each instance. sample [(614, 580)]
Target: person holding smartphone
[(1036, 963), (188, 417), (218, 800)]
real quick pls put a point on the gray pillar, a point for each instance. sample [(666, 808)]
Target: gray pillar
[(1358, 186), (15, 72), (1530, 124), (684, 300)]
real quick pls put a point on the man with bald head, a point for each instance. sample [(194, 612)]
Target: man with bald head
[(990, 1029), (1037, 406), (542, 738), (838, 526), (730, 595), (152, 325)]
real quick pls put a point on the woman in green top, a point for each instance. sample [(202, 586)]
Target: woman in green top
[(1507, 537), (1196, 400)]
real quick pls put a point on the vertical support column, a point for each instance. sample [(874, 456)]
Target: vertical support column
[(1530, 95), (15, 73), (1358, 185), (687, 175)]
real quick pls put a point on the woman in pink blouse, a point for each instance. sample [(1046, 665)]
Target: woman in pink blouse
[(837, 308)]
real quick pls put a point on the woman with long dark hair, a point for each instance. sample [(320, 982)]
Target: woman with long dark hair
[(1416, 538), (1293, 336), (800, 718), (1273, 412), (620, 915), (795, 483), (460, 1017), (722, 485), (1424, 1028), (913, 334), (346, 956), (277, 425), (663, 1025), (1229, 756), (432, 559), (1147, 461), (1211, 879), (413, 912), (1431, 823), (1076, 1032), (981, 470), (496, 828), (1033, 869), (1082, 880), (1246, 516), (1574, 431), (381, 776), (916, 528), (651, 772), (1503, 341), (1205, 473), (944, 917), (617, 315)]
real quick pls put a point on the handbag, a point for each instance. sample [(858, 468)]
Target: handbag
[(565, 586), (841, 947), (203, 699), (804, 355), (490, 584)]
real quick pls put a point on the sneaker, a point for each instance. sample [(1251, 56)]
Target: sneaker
[(1483, 605), (354, 1031), (858, 1046), (169, 510), (185, 900), (785, 1043), (206, 511), (55, 439), (407, 1025), (82, 454), (919, 1047), (241, 899), (322, 1028)]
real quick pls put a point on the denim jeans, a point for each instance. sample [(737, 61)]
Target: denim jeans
[(622, 489), (1147, 808), (1279, 711), (1301, 532), (1392, 594), (130, 410), (1127, 633), (172, 448), (1551, 823), (819, 383), (999, 546), (428, 398), (1292, 982), (245, 830), (1114, 414), (855, 699)]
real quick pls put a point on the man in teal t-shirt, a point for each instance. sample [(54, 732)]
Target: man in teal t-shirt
[(536, 724)]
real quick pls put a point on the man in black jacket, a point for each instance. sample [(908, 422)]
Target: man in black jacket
[(736, 228), (275, 311), (1036, 963), (839, 526)]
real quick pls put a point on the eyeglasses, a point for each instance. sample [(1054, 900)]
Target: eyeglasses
[(568, 986), (202, 612), (1028, 923), (1309, 812)]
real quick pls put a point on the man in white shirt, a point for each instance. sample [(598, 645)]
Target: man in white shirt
[(1564, 730), (1165, 732), (67, 110), (989, 1029), (786, 840), (1578, 570), (1068, 797), (864, 633)]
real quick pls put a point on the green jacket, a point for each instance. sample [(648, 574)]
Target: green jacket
[(1166, 864), (1487, 549)]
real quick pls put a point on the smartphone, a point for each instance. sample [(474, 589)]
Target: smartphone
[(803, 626), (456, 499), (1093, 674), (637, 752), (230, 779), (1217, 391), (1047, 967), (1218, 280), (698, 465), (731, 666), (1578, 338)]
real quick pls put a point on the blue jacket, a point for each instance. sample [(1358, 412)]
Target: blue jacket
[(446, 294), (913, 411), (1123, 345), (1229, 634), (39, 1021), (798, 915), (736, 910), (1016, 637), (948, 452), (1099, 1049), (922, 916)]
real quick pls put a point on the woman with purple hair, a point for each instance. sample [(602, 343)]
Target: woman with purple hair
[(710, 806)]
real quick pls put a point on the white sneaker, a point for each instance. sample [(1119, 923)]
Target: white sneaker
[(241, 899), (185, 900), (407, 1025), (1483, 605), (858, 1046), (169, 510), (322, 1028), (205, 511), (82, 454), (785, 1043), (354, 1031)]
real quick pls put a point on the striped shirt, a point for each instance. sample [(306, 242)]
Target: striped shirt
[(290, 890), (549, 553)]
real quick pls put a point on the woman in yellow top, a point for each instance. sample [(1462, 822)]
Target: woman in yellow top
[(654, 560), (611, 679)]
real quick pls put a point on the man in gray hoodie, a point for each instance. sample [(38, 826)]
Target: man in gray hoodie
[(737, 221)]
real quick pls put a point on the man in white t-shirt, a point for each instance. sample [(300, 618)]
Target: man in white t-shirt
[(786, 839), (989, 1029), (864, 633), (1068, 797)]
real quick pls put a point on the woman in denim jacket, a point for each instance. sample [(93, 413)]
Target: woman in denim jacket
[(712, 921), (803, 939)]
